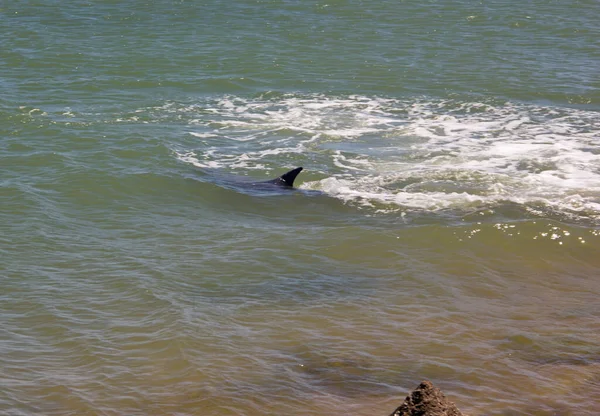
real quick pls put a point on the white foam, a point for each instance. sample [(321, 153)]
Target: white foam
[(190, 157), (368, 193), (203, 135), (342, 161), (413, 153)]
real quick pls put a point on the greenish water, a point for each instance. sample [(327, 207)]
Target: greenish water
[(446, 224)]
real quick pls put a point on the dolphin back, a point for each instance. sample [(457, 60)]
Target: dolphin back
[(287, 179)]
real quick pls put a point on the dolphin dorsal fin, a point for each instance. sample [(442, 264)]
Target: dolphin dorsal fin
[(288, 178)]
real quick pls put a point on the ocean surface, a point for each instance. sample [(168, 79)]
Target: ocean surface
[(446, 225)]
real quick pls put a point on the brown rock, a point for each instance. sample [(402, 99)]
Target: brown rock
[(427, 400)]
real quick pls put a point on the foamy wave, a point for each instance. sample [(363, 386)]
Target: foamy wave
[(191, 158), (412, 153), (368, 192)]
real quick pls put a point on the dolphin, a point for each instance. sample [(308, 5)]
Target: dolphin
[(280, 184), (286, 180)]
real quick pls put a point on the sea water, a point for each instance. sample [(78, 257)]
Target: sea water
[(446, 225)]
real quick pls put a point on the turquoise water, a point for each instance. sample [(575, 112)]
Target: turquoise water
[(446, 225)]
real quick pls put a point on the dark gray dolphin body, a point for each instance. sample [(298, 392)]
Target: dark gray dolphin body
[(286, 180), (280, 184)]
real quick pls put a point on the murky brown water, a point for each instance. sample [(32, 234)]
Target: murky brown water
[(502, 317)]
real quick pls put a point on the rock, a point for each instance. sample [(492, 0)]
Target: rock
[(427, 400)]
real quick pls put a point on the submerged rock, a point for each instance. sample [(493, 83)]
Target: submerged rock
[(427, 400)]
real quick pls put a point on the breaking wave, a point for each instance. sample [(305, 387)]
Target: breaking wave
[(407, 154)]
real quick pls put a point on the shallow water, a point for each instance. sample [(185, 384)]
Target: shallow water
[(446, 225)]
